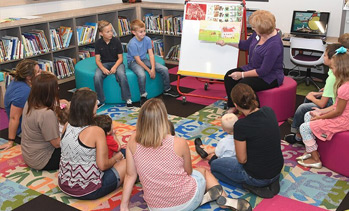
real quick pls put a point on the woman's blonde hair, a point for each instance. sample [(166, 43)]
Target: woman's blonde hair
[(340, 64), (262, 21), (152, 124)]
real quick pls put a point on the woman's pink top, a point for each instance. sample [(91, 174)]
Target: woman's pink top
[(161, 172), (324, 129)]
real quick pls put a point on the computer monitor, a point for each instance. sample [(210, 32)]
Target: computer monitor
[(310, 23), (248, 14)]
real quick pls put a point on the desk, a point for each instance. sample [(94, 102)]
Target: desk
[(328, 40)]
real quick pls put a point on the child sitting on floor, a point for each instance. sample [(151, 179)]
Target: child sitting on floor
[(105, 122), (225, 147), (62, 115)]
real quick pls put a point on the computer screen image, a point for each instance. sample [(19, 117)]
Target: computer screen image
[(310, 23)]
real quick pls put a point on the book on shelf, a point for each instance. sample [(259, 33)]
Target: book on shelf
[(60, 38), (7, 76), (158, 47), (124, 25), (86, 52), (173, 25), (153, 23), (46, 65), (63, 66), (174, 53), (11, 48), (35, 43), (114, 32), (86, 33)]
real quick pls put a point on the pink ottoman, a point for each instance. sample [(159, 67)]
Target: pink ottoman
[(334, 153), (281, 99)]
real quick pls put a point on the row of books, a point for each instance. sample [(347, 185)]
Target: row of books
[(60, 38), (173, 25), (61, 66), (10, 48), (86, 33), (158, 47), (86, 52), (35, 42), (174, 53), (153, 23), (124, 26)]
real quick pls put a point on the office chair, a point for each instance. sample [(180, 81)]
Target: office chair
[(301, 53)]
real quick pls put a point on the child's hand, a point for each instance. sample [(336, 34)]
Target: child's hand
[(316, 112), (220, 42), (106, 71), (314, 118), (310, 96), (118, 156), (112, 70), (152, 73)]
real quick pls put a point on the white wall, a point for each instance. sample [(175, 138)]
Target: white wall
[(282, 9), (49, 7)]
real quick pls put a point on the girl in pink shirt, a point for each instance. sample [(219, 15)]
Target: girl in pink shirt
[(163, 163), (324, 123)]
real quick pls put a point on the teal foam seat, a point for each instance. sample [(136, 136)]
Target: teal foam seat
[(85, 71)]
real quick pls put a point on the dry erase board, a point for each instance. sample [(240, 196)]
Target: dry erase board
[(204, 23)]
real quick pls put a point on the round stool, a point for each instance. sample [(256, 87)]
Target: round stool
[(281, 99), (85, 71), (334, 154)]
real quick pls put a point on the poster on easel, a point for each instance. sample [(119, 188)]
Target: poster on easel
[(204, 24)]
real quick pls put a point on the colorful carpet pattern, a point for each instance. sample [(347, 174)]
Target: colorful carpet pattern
[(301, 188)]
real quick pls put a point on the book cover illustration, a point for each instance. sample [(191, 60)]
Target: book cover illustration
[(223, 22), (195, 11), (212, 31)]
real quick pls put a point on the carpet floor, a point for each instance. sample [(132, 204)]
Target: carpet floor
[(23, 188)]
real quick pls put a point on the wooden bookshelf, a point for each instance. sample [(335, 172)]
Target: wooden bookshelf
[(79, 17)]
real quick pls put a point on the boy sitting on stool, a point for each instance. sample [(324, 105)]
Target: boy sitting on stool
[(109, 61), (137, 49)]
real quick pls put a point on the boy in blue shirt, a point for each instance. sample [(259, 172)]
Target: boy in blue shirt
[(225, 147), (109, 61), (137, 49)]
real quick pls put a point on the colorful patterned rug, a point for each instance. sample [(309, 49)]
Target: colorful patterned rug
[(301, 188)]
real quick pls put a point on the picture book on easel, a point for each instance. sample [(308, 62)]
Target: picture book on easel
[(217, 22)]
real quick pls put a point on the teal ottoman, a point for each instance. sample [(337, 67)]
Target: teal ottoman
[(85, 71)]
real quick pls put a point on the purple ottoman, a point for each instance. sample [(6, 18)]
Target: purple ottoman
[(334, 153), (281, 99)]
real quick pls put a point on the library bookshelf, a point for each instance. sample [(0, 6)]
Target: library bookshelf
[(75, 18)]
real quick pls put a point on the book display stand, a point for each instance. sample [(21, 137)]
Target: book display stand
[(206, 22)]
